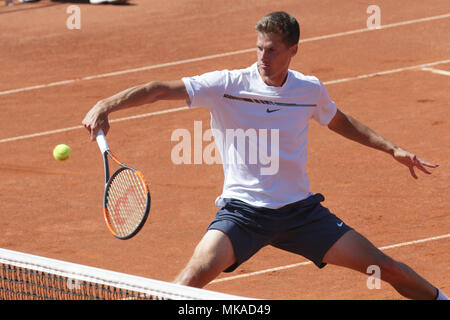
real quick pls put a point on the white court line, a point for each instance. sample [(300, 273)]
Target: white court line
[(150, 114), (381, 73), (437, 71), (290, 266), (382, 27), (215, 56), (46, 133)]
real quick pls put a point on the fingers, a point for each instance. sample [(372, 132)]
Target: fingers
[(413, 174), (96, 119), (93, 131), (419, 163), (91, 128), (427, 164), (88, 123)]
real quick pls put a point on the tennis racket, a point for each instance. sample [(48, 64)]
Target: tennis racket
[(126, 202)]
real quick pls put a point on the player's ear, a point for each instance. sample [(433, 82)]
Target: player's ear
[(294, 49)]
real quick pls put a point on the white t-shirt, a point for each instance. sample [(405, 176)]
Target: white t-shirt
[(261, 131)]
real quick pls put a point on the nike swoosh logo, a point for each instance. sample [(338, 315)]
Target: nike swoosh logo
[(340, 224), (271, 110)]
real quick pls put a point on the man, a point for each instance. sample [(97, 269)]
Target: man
[(276, 208)]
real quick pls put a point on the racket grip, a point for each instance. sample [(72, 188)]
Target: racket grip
[(101, 141)]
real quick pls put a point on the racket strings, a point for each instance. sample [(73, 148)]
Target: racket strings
[(127, 201), (127, 206), (134, 205)]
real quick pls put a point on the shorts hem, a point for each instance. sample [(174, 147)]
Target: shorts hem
[(320, 264), (238, 261)]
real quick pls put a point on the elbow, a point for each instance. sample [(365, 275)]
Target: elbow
[(154, 86), (338, 121), (155, 90)]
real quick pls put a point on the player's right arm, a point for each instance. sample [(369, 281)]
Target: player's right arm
[(97, 117)]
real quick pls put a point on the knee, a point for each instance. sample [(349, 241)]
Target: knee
[(199, 271), (393, 271), (189, 276), (212, 255)]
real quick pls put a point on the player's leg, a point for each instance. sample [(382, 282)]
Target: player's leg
[(354, 251), (233, 237), (213, 254)]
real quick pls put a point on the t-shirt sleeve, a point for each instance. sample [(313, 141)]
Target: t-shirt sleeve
[(326, 108), (206, 89)]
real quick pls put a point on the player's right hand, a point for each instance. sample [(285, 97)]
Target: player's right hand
[(96, 119)]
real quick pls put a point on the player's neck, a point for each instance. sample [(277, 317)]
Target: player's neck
[(276, 80)]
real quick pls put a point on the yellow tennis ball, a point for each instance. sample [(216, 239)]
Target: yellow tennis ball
[(61, 152)]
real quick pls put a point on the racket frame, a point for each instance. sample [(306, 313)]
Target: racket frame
[(106, 152)]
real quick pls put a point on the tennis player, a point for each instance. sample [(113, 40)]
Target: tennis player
[(276, 208)]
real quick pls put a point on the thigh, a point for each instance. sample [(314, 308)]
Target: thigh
[(212, 255), (244, 239), (314, 236), (214, 251), (354, 251)]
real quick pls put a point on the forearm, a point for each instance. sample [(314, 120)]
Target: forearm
[(356, 131), (135, 96), (97, 117), (352, 129)]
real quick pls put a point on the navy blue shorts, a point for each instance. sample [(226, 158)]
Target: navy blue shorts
[(304, 227)]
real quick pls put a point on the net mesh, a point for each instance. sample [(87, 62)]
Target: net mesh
[(29, 277), (126, 202)]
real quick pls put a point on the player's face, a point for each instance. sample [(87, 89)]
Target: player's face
[(274, 58)]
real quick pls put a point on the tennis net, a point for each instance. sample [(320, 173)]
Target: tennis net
[(30, 277)]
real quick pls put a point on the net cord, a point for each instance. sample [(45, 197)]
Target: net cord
[(165, 290)]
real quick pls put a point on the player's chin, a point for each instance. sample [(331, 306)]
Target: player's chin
[(265, 70)]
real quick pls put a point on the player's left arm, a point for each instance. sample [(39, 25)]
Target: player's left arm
[(353, 129)]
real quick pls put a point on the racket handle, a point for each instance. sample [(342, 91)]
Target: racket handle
[(101, 141)]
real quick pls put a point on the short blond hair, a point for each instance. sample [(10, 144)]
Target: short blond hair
[(280, 23)]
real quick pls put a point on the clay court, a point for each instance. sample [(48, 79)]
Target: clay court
[(395, 79)]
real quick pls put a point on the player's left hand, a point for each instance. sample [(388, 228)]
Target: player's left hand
[(412, 161)]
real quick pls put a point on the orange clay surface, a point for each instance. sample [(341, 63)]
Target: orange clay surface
[(54, 209)]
